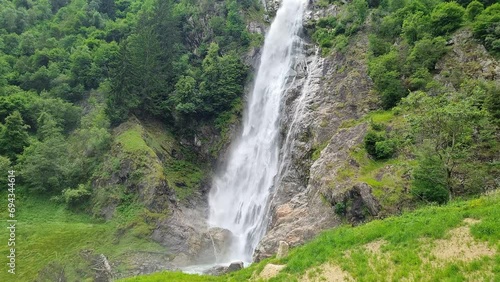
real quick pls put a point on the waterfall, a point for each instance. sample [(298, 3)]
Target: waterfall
[(241, 191)]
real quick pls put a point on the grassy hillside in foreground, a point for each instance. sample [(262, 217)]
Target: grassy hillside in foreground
[(51, 238), (456, 242)]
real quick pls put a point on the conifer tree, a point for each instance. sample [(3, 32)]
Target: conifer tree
[(14, 135)]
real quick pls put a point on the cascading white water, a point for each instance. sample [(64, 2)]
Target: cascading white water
[(240, 193)]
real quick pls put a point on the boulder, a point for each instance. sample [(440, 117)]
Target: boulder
[(219, 241), (221, 270), (234, 266), (282, 249), (216, 270), (361, 202)]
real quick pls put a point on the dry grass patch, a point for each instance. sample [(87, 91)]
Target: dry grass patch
[(471, 221), (375, 246), (270, 271), (461, 246), (327, 272)]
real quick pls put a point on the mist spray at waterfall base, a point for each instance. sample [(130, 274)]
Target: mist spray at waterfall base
[(239, 198)]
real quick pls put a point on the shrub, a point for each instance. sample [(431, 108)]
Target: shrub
[(420, 79), (340, 208), (473, 9), (392, 89), (416, 26), (324, 37), (377, 144), (74, 198), (447, 17), (377, 126), (13, 136), (487, 28), (378, 46), (492, 101), (429, 180), (45, 166), (484, 2), (426, 53), (371, 139), (390, 27), (341, 42), (384, 149), (327, 22), (5, 165), (385, 73), (373, 3)]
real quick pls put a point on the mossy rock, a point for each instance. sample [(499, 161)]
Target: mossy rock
[(147, 162)]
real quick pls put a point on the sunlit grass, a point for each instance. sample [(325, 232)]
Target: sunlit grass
[(48, 233)]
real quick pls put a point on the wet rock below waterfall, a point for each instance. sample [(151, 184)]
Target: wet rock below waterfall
[(216, 270), (209, 246), (221, 270), (216, 244), (234, 266)]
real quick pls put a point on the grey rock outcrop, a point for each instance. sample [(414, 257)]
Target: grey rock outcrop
[(234, 266), (271, 6), (355, 202), (221, 240), (316, 13), (189, 240), (468, 59)]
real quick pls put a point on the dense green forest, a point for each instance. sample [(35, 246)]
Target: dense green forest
[(72, 70)]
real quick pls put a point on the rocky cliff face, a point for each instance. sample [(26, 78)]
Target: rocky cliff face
[(324, 95), (466, 60), (147, 166), (325, 118)]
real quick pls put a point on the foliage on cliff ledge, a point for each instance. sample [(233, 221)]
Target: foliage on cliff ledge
[(442, 138)]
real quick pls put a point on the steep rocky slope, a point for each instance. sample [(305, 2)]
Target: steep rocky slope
[(326, 176), (169, 179)]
